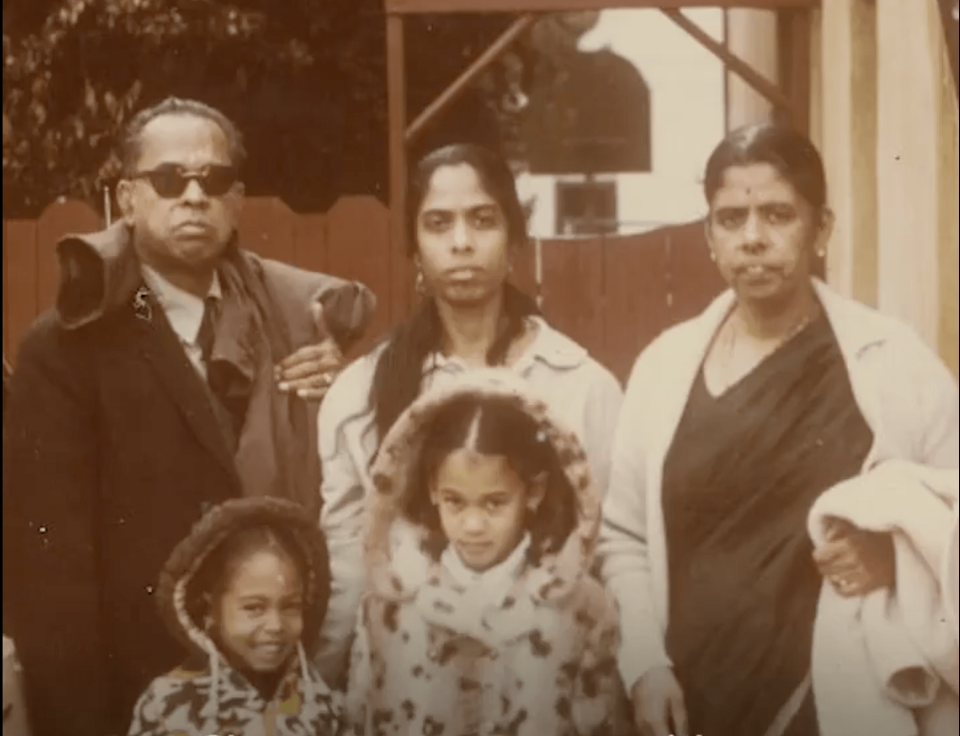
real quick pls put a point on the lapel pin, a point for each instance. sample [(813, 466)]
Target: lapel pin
[(141, 304)]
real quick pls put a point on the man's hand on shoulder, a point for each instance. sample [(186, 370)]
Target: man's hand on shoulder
[(311, 370)]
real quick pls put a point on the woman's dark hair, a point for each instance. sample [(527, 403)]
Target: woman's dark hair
[(398, 377), (789, 151), (213, 577), (496, 426), (495, 177)]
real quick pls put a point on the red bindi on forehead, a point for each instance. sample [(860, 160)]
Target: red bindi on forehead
[(754, 183)]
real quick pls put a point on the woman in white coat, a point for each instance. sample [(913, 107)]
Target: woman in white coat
[(466, 226), (733, 425)]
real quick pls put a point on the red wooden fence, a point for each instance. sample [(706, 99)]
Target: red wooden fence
[(613, 295)]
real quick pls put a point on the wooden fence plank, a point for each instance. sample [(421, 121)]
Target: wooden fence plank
[(310, 242), (573, 289), (268, 227), (524, 269), (358, 247), (63, 217), (692, 277), (20, 281), (636, 298)]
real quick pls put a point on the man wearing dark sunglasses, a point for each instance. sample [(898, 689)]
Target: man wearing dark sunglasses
[(177, 370)]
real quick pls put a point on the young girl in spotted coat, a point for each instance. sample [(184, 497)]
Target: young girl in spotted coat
[(481, 616), (246, 592)]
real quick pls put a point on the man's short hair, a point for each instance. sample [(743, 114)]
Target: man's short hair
[(130, 147)]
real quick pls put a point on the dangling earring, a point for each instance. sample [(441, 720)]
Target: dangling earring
[(420, 284), (713, 256)]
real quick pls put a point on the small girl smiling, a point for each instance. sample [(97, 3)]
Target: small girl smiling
[(242, 591)]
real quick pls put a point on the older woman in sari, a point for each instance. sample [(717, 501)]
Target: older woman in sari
[(733, 425)]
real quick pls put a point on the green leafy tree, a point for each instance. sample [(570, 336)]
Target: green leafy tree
[(305, 80)]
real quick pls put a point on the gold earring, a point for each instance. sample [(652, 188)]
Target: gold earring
[(420, 284)]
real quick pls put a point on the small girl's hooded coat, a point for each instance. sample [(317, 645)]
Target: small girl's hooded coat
[(208, 697), (430, 660)]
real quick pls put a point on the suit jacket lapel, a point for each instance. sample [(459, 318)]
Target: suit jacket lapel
[(159, 345)]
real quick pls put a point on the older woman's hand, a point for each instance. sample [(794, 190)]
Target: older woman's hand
[(658, 704), (855, 561)]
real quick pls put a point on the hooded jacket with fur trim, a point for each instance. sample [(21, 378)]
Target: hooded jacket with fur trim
[(434, 658), (208, 697)]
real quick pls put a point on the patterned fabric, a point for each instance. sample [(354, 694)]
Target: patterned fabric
[(540, 663), (180, 704)]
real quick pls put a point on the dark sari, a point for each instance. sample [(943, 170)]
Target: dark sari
[(739, 481)]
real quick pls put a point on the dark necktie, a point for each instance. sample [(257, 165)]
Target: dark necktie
[(207, 331), (205, 339)]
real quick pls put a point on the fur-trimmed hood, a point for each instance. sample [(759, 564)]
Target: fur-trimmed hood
[(389, 533), (216, 526), (526, 648), (222, 685)]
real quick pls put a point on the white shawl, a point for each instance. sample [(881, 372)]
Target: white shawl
[(879, 658), (951, 573)]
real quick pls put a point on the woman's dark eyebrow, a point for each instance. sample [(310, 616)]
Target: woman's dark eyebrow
[(731, 210), (435, 212), (252, 598), (476, 209)]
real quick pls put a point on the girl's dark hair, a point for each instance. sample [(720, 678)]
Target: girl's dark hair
[(398, 377), (788, 150), (502, 429), (213, 577)]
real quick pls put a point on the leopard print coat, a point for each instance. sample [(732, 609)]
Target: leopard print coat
[(542, 663), (208, 697)]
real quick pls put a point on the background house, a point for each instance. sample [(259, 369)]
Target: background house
[(649, 105)]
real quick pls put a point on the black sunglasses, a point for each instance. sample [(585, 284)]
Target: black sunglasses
[(171, 182)]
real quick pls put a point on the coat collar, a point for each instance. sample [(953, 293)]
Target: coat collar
[(856, 326), (682, 350), (550, 347), (99, 272)]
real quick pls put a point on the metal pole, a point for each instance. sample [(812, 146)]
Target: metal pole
[(397, 117), (733, 62)]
